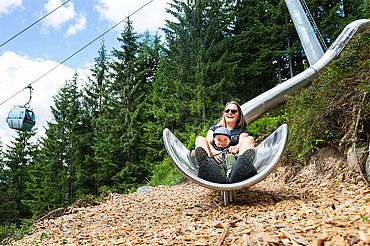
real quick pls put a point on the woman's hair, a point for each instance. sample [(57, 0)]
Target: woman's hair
[(240, 122)]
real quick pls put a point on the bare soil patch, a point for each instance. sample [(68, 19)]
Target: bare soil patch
[(319, 204)]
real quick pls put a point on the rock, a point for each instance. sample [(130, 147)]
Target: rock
[(367, 165), (357, 161), (143, 189), (328, 162)]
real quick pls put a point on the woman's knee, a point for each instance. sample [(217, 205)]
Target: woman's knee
[(246, 143), (200, 140)]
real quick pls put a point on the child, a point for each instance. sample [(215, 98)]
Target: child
[(221, 141)]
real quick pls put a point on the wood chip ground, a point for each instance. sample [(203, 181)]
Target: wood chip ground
[(307, 210)]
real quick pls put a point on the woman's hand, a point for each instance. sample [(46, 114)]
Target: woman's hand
[(233, 149)]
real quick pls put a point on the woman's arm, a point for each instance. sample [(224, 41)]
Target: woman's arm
[(210, 140)]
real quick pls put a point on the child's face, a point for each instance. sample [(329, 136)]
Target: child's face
[(222, 141)]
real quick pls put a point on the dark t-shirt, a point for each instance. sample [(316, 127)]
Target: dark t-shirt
[(235, 134)]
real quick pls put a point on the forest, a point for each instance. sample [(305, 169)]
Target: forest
[(105, 136)]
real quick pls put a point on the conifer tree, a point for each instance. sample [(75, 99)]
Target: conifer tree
[(53, 178), (3, 189), (333, 15), (193, 43), (119, 149), (149, 147), (14, 173), (94, 106)]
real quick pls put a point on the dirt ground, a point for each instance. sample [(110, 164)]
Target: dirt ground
[(319, 204)]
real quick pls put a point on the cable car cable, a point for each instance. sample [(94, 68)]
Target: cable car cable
[(69, 57), (31, 89), (19, 33)]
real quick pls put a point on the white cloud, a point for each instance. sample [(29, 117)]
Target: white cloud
[(60, 16), (16, 72), (6, 6), (148, 18), (78, 26)]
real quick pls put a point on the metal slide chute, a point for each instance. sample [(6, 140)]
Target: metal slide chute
[(266, 101), (268, 156), (270, 151)]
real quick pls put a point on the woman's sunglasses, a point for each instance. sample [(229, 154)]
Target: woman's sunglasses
[(233, 111)]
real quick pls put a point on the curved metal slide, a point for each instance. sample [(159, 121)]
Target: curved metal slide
[(270, 151)]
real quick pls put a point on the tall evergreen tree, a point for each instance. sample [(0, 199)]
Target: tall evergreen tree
[(333, 15), (149, 147), (194, 46), (53, 178), (14, 174), (119, 148), (3, 189), (94, 106)]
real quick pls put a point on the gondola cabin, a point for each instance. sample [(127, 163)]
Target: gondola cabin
[(21, 118)]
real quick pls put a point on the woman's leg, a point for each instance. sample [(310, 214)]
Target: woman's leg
[(246, 143), (243, 167), (210, 170), (202, 142)]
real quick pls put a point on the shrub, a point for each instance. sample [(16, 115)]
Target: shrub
[(267, 124), (334, 110), (165, 173), (12, 231)]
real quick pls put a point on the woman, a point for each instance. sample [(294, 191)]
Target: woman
[(241, 143)]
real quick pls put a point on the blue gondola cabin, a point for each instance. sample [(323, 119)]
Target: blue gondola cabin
[(21, 118)]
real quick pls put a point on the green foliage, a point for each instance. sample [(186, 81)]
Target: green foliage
[(52, 183), (104, 191), (265, 125), (86, 200), (364, 218), (165, 173), (12, 231), (14, 174), (44, 235), (334, 110), (6, 232), (108, 136)]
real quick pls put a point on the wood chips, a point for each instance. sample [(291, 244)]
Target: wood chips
[(309, 210)]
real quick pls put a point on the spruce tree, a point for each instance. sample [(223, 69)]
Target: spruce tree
[(194, 46), (118, 149), (53, 179), (94, 105), (3, 189), (149, 147), (14, 174)]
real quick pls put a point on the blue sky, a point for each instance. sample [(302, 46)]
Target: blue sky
[(43, 46)]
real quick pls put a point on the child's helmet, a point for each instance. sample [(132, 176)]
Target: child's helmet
[(222, 131)]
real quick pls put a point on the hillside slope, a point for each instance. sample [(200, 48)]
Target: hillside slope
[(320, 204), (323, 203)]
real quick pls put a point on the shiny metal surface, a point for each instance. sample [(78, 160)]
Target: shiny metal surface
[(268, 156), (261, 104), (270, 151), (306, 33)]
